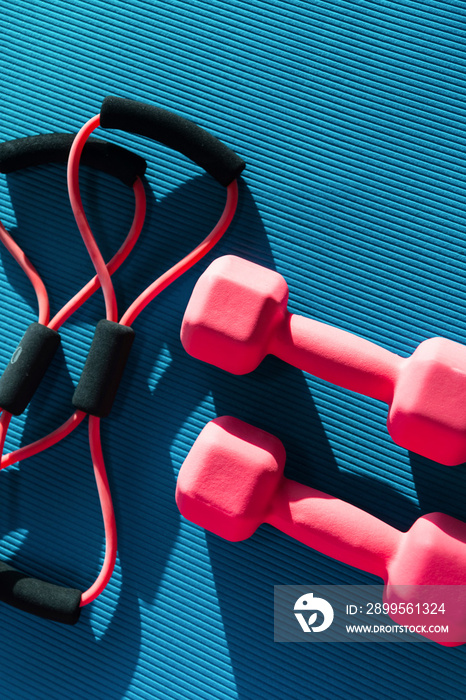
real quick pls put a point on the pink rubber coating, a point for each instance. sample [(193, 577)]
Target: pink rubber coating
[(232, 481), (428, 412), (333, 527), (337, 356), (238, 313)]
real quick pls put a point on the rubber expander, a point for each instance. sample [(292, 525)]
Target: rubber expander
[(27, 367), (103, 369)]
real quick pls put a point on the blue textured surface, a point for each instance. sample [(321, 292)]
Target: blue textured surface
[(351, 119)]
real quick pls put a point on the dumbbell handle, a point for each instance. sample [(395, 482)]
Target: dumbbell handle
[(333, 527), (337, 356)]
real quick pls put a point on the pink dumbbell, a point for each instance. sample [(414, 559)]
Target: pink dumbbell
[(238, 313), (232, 481)]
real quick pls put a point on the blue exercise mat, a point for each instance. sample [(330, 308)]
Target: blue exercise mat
[(350, 117)]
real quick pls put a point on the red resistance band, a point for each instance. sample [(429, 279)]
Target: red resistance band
[(117, 110), (35, 351)]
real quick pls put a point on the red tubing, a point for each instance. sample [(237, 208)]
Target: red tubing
[(127, 319), (103, 279), (65, 312), (44, 443), (31, 272), (188, 261), (108, 515), (42, 301), (4, 423), (82, 222), (118, 259)]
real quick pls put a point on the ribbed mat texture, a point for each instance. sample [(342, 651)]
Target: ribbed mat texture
[(350, 116)]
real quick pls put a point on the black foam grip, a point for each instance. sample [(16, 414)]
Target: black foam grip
[(27, 367), (103, 370), (39, 597), (54, 148), (177, 132)]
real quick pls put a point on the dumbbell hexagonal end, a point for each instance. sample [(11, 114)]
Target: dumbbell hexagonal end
[(228, 479), (234, 308), (428, 412), (432, 552), (427, 576)]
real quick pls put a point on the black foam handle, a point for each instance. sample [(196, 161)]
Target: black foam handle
[(54, 148), (27, 367), (38, 597), (175, 131), (103, 370)]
